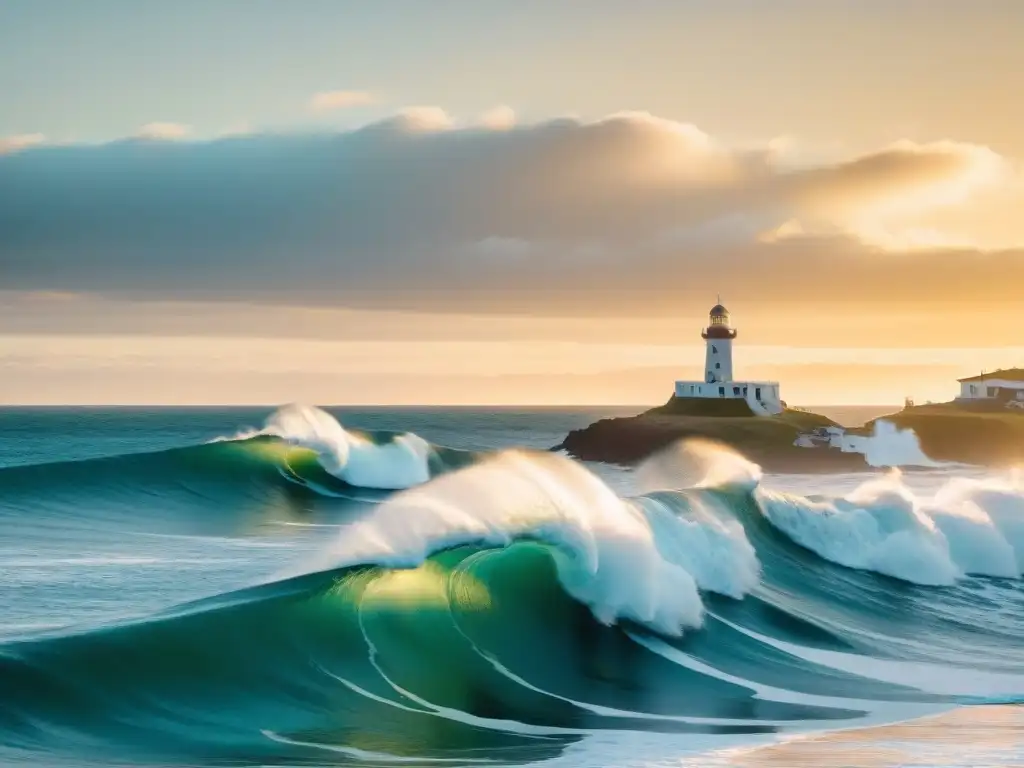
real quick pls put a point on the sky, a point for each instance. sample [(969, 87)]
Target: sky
[(506, 202)]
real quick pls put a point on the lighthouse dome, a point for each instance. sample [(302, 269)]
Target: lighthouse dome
[(718, 324)]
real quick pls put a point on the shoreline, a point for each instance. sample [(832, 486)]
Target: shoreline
[(990, 734)]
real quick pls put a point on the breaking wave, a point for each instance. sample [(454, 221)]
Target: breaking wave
[(467, 608), (970, 527), (644, 559), (387, 461)]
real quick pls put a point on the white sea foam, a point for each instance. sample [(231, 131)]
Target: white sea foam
[(624, 558), (984, 523), (705, 542), (401, 463), (889, 446), (967, 527)]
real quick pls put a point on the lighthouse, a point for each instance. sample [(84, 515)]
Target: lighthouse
[(718, 336), (719, 383)]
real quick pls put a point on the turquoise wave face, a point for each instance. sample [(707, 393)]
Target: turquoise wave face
[(252, 483), (509, 610), (475, 648)]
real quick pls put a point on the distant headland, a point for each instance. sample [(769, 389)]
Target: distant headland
[(984, 425)]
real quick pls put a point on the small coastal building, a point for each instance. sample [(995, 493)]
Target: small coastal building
[(762, 396), (1004, 386)]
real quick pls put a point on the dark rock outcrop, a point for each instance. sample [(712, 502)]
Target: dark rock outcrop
[(766, 440)]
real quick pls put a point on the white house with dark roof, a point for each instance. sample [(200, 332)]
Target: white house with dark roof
[(1006, 385)]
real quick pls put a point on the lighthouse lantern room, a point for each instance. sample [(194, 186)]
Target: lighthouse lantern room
[(762, 396)]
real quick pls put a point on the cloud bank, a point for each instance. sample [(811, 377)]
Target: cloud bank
[(618, 215)]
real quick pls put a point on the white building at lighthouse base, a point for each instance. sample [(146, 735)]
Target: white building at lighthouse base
[(762, 396)]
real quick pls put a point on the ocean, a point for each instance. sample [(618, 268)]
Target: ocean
[(357, 586)]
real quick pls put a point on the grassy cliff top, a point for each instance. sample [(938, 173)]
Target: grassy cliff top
[(955, 408), (730, 409)]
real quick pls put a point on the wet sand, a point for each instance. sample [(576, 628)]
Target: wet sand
[(969, 737)]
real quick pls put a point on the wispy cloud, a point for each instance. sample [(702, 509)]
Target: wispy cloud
[(161, 131), (325, 101), (499, 118)]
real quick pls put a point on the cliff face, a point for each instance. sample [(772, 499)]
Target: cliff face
[(767, 441)]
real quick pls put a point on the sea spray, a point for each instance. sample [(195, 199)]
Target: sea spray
[(696, 463)]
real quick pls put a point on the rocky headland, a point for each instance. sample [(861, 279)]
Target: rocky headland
[(947, 432)]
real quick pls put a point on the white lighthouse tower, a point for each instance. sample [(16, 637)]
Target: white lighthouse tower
[(718, 335), (762, 396)]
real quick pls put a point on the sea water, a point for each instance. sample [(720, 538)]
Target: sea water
[(306, 586)]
